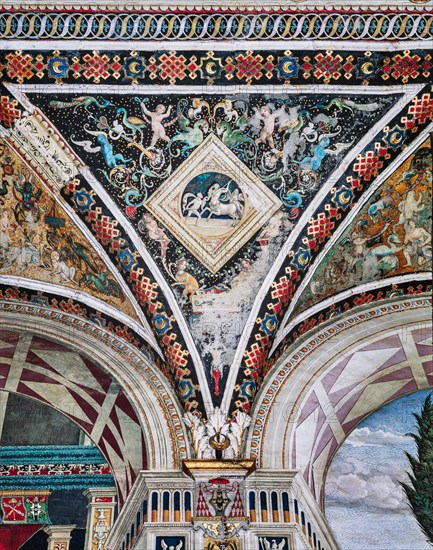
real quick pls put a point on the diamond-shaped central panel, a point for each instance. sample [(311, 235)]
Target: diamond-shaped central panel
[(213, 204)]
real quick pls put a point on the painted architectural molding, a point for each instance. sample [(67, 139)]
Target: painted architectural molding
[(65, 467), (100, 517), (340, 304), (59, 536), (248, 6), (367, 64), (286, 25), (268, 505)]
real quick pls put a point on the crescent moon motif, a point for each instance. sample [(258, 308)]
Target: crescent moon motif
[(395, 138), (287, 66), (367, 68), (55, 66), (133, 67), (210, 67), (344, 198)]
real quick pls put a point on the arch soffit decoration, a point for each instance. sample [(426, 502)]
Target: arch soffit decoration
[(287, 395), (289, 320), (145, 387)]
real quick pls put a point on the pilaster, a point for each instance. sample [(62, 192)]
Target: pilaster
[(59, 536), (100, 517)]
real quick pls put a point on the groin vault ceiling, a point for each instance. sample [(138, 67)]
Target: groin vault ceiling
[(212, 204)]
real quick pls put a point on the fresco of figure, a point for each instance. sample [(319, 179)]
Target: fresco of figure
[(359, 246), (409, 207), (185, 279), (5, 226), (195, 206), (416, 244), (268, 118), (156, 119)]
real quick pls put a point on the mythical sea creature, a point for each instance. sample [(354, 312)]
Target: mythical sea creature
[(230, 113), (291, 199), (77, 252), (377, 208), (234, 138), (197, 107), (343, 103), (82, 101), (319, 153), (102, 283), (104, 147), (190, 136), (382, 259)]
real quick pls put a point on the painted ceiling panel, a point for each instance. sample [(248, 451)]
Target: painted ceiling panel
[(39, 241), (391, 235), (213, 185), (211, 181), (312, 238)]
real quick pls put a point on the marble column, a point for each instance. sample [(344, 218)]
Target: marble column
[(59, 536), (100, 517)]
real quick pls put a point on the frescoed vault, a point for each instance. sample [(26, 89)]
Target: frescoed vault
[(195, 197), (210, 206), (391, 234), (215, 229), (261, 160), (37, 239)]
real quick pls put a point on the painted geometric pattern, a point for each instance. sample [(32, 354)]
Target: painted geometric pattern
[(20, 295), (350, 390), (177, 366), (54, 466), (68, 381), (338, 308), (391, 235), (357, 177), (255, 25), (239, 67)]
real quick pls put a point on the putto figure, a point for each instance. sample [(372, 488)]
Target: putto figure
[(156, 118)]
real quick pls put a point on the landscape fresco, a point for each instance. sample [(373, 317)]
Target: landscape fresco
[(364, 503)]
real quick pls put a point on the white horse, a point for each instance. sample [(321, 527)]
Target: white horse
[(216, 195)]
